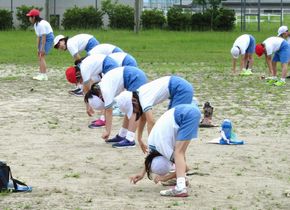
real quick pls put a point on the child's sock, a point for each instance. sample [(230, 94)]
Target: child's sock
[(180, 183), (130, 136), (123, 132), (102, 117)]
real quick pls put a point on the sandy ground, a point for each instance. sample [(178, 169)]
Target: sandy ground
[(46, 141)]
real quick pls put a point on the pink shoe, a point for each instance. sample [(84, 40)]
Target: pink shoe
[(97, 123)]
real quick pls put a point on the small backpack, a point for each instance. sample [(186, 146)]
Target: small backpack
[(4, 175), (7, 182)]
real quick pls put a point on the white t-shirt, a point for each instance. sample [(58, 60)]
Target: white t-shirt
[(243, 43), (273, 44), (91, 67), (78, 43), (106, 49), (112, 84), (154, 92), (118, 57), (163, 138), (42, 28)]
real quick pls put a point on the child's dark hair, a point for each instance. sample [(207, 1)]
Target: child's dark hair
[(37, 19), (136, 105), (95, 90), (148, 161), (65, 40)]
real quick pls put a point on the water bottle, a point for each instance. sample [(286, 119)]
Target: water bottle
[(227, 128)]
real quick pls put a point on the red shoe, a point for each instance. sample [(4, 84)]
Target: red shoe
[(98, 123)]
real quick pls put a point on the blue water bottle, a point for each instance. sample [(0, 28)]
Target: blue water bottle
[(227, 128)]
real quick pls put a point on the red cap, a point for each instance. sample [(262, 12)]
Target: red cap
[(259, 49), (33, 13), (71, 75)]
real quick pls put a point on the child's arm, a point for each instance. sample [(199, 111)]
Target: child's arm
[(108, 118), (150, 120), (136, 178), (141, 125), (77, 57), (37, 44), (41, 50)]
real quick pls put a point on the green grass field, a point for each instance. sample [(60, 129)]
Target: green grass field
[(153, 46)]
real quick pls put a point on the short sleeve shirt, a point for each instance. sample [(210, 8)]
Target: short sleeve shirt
[(91, 67), (118, 57), (106, 49), (273, 44), (42, 28), (243, 43), (154, 92), (112, 84), (78, 43), (178, 123)]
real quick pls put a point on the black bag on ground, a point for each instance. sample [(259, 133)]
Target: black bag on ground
[(4, 176), (7, 182)]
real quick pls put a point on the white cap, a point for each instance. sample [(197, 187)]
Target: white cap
[(235, 51), (96, 103), (124, 102), (57, 38), (161, 166), (282, 30)]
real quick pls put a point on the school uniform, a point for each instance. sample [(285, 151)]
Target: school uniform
[(119, 79), (43, 28), (279, 47), (94, 65), (124, 59), (175, 88), (246, 44), (106, 49), (177, 124), (81, 42)]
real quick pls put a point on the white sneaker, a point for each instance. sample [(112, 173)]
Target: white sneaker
[(174, 192), (41, 77)]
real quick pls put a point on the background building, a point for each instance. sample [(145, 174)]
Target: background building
[(266, 6)]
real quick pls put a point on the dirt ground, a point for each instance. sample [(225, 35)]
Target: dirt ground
[(46, 142)]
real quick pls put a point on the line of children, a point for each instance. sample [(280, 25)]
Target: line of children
[(103, 80)]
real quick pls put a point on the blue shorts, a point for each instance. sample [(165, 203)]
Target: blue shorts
[(117, 49), (129, 60), (252, 45), (109, 64), (187, 117), (282, 55), (48, 43), (180, 90), (91, 44), (133, 78)]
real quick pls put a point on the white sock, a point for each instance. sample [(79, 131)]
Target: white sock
[(130, 136), (80, 86), (274, 77), (180, 183), (283, 79), (102, 117), (123, 132)]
